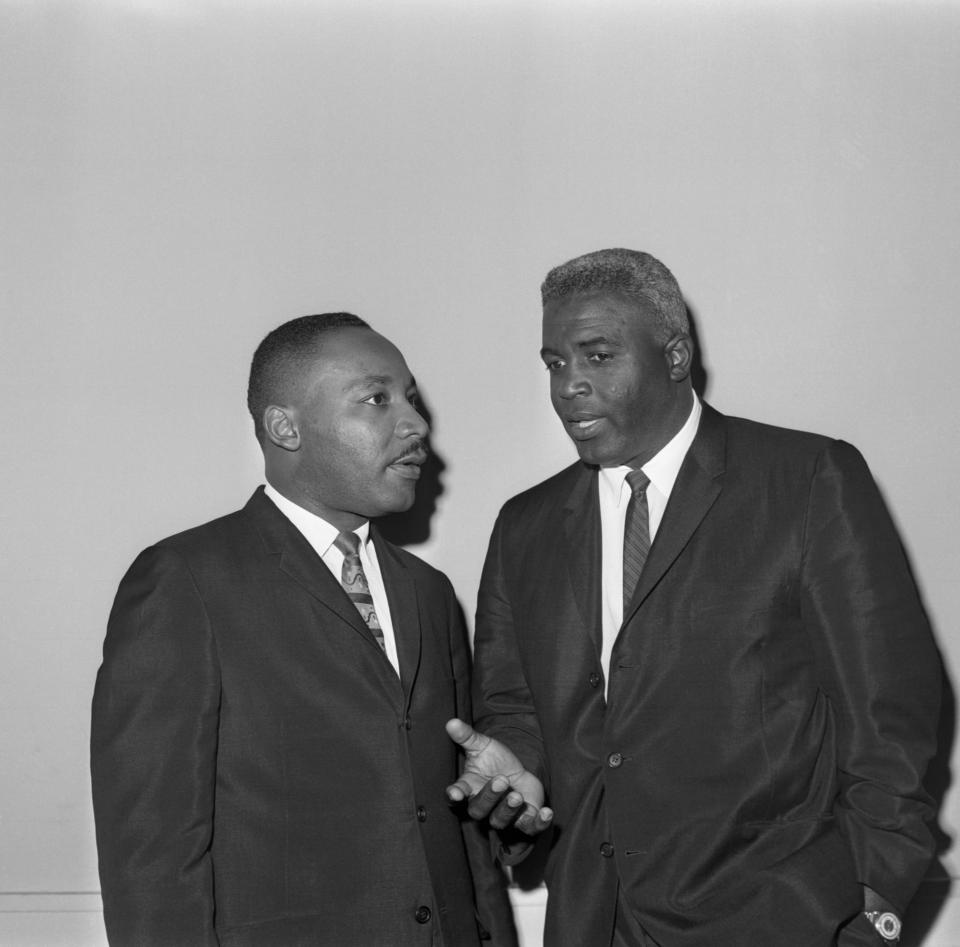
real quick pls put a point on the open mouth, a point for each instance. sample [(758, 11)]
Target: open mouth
[(583, 426)]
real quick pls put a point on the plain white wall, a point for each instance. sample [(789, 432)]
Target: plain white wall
[(179, 176)]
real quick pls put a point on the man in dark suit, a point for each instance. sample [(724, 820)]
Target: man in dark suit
[(703, 646), (268, 753)]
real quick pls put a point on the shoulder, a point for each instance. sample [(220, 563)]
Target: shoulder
[(548, 493), (744, 433), (214, 532), (213, 544), (221, 536), (757, 443)]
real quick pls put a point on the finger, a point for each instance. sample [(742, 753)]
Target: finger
[(507, 810), (483, 802), (533, 821), (461, 732), (465, 787)]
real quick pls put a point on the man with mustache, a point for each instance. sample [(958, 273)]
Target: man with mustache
[(268, 753), (702, 645)]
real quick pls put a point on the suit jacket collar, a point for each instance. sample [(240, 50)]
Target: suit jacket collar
[(404, 608), (698, 485), (581, 524), (297, 559)]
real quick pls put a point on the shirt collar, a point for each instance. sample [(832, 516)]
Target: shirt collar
[(319, 532), (663, 467)]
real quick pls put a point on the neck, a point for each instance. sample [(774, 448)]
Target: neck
[(344, 521), (672, 425)]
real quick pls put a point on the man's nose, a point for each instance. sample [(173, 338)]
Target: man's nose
[(412, 423), (571, 384)]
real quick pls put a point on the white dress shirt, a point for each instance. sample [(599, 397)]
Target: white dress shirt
[(662, 470), (321, 534)]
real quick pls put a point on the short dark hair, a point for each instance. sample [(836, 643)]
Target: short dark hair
[(279, 357), (626, 272)]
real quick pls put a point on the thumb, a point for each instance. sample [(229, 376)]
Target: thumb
[(461, 732)]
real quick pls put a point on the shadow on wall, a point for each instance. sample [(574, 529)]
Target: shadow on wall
[(935, 891), (930, 899), (413, 526), (698, 373)]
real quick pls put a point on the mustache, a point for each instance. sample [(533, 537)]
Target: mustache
[(419, 448)]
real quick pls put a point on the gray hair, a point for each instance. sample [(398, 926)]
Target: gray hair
[(628, 273)]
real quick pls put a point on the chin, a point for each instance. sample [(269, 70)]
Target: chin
[(399, 503), (606, 454), (593, 455)]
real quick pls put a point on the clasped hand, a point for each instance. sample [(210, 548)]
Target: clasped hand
[(497, 786)]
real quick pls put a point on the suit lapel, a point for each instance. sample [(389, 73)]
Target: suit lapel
[(582, 552), (698, 485), (298, 560), (404, 610)]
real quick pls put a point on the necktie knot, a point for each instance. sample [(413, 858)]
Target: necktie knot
[(348, 544), (638, 481)]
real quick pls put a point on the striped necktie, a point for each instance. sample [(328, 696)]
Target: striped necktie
[(355, 583), (636, 534)]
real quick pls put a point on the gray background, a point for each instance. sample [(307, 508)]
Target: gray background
[(179, 177)]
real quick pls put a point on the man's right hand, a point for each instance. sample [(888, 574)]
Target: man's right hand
[(497, 786)]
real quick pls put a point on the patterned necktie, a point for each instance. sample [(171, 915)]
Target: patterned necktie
[(636, 534), (355, 583)]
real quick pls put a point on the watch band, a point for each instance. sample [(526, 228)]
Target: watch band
[(886, 923)]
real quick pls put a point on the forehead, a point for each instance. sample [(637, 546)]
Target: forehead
[(353, 356), (584, 313)]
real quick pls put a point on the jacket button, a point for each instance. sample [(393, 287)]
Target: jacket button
[(594, 679), (606, 850), (422, 914), (407, 723), (421, 814), (614, 760)]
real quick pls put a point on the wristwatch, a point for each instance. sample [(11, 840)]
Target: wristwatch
[(887, 925)]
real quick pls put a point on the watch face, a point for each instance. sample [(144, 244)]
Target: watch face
[(888, 925)]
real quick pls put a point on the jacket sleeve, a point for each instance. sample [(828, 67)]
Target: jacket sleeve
[(502, 702), (494, 913), (153, 758), (880, 669)]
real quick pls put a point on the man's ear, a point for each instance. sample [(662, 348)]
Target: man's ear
[(679, 354), (280, 427)]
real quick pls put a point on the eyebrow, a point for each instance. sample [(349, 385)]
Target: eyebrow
[(368, 380), (385, 380), (586, 343)]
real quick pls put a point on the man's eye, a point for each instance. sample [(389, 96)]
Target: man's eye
[(554, 366), (378, 398), (599, 356)]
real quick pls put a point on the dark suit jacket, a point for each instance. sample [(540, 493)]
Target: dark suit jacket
[(261, 776), (772, 700)]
